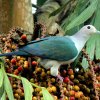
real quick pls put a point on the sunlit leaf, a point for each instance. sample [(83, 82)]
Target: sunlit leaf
[(90, 49), (28, 89), (96, 38), (85, 64), (1, 91), (97, 25), (1, 77), (6, 83), (97, 50), (8, 88), (3, 96), (46, 94), (91, 46)]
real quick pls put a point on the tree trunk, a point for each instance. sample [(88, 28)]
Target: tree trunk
[(5, 16), (16, 13)]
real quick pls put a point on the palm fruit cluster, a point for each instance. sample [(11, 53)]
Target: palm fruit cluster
[(77, 83)]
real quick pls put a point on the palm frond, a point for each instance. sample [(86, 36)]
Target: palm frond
[(93, 45), (82, 17), (40, 2)]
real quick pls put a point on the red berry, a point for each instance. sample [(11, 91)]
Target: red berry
[(24, 37), (34, 63), (66, 80), (13, 61), (72, 98), (20, 68), (9, 70)]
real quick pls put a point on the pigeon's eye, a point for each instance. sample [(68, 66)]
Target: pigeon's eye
[(88, 27)]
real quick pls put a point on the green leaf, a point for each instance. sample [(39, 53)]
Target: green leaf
[(93, 45), (1, 91), (46, 94), (15, 76), (3, 96), (90, 47), (93, 49), (6, 83), (86, 14), (54, 13), (8, 88), (97, 17), (1, 77), (80, 6), (85, 64), (97, 49), (40, 2), (28, 89)]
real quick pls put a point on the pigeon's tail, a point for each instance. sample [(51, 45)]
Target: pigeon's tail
[(18, 53)]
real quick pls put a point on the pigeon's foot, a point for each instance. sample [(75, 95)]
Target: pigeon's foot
[(59, 77)]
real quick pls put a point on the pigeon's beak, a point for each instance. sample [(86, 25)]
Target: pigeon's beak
[(98, 32)]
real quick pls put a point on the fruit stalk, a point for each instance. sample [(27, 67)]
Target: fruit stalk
[(92, 65)]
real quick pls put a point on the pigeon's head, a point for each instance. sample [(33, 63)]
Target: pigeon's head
[(89, 30)]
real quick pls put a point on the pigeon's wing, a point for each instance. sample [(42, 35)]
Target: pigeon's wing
[(56, 48), (35, 41)]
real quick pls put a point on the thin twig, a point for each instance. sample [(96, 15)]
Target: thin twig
[(35, 6)]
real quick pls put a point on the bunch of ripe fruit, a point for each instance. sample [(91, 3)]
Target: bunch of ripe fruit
[(77, 83)]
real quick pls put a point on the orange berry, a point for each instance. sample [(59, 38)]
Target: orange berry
[(53, 80), (49, 89), (26, 64), (18, 58), (38, 70), (76, 88), (34, 98), (70, 71), (72, 92), (66, 98), (16, 95), (14, 86), (54, 89), (43, 74), (4, 39), (7, 51), (98, 78), (55, 98), (38, 89), (77, 95), (81, 93), (71, 76), (19, 91), (16, 71)]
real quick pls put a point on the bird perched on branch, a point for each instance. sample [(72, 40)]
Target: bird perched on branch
[(56, 50)]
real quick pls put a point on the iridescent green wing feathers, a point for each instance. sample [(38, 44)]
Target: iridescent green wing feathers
[(56, 48)]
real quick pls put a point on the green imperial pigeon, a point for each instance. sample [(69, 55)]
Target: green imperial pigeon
[(56, 50)]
